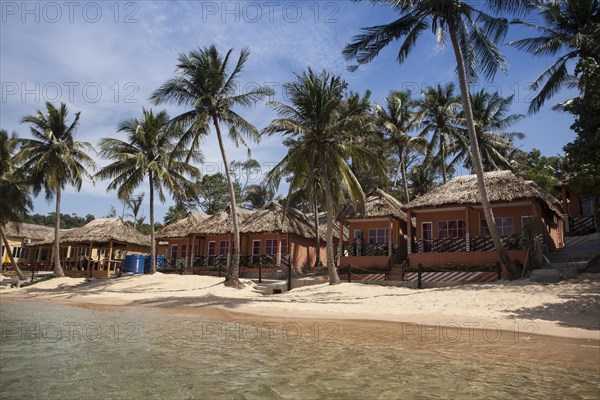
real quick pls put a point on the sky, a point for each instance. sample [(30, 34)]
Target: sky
[(105, 59)]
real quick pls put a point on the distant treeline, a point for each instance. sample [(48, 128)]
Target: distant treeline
[(67, 221)]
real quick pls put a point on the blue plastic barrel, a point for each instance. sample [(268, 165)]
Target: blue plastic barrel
[(160, 262), (134, 263)]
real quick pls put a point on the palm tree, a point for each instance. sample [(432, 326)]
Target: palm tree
[(204, 84), (438, 111), (257, 196), (149, 152), (474, 35), (397, 119), (491, 114), (134, 203), (16, 201), (53, 159), (570, 27), (321, 127)]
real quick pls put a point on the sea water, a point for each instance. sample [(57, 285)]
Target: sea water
[(56, 351)]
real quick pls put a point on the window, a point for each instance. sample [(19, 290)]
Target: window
[(585, 206), (358, 235), (212, 248), (525, 220), (284, 247), (505, 226), (379, 236), (223, 247), (255, 251), (174, 251), (451, 229), (183, 250), (270, 247)]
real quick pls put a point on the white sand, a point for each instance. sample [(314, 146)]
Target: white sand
[(569, 308)]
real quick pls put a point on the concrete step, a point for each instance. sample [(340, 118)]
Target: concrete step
[(568, 270), (548, 275), (570, 256)]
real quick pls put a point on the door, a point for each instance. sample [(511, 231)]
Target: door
[(427, 236)]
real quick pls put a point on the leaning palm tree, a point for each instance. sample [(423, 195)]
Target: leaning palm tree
[(492, 118), (438, 113), (571, 28), (321, 127), (397, 118), (474, 35), (53, 159), (149, 152), (204, 84), (16, 201)]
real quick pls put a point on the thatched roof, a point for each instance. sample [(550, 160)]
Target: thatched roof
[(103, 230), (503, 187), (377, 204), (183, 227), (220, 223), (29, 231), (273, 218)]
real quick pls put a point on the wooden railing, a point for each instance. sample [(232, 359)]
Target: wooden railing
[(476, 243), (581, 225), (382, 249)]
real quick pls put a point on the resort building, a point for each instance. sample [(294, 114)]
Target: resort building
[(96, 249), (377, 234), (177, 241), (19, 236), (451, 228), (279, 237), (578, 211)]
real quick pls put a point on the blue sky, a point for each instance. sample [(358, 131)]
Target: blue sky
[(105, 59)]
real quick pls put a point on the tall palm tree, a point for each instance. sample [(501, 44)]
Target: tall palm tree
[(491, 114), (438, 111), (54, 159), (397, 118), (570, 28), (321, 127), (16, 201), (474, 35), (204, 83), (149, 152)]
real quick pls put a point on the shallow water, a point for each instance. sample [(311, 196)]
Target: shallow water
[(54, 351)]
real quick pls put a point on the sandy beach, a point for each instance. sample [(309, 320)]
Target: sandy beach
[(567, 309)]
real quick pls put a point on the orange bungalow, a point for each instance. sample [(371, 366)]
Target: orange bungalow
[(177, 242), (377, 235), (451, 228), (212, 239), (280, 237), (98, 248), (578, 211)]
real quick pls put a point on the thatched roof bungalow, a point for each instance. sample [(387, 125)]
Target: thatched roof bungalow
[(451, 228), (19, 236), (183, 227), (377, 232), (280, 236), (97, 248)]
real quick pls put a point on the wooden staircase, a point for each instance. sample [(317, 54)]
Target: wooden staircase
[(396, 273)]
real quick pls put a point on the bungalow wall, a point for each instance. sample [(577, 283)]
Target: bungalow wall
[(575, 205), (18, 250)]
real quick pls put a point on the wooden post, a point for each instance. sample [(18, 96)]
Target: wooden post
[(349, 273), (390, 235), (260, 271), (192, 252), (278, 254), (289, 283), (498, 271), (89, 261), (409, 232), (110, 250), (419, 276)]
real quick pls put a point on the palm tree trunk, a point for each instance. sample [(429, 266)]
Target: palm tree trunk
[(152, 240), (404, 179), (443, 160), (509, 267), (232, 278), (58, 271), (318, 262), (10, 256), (334, 279)]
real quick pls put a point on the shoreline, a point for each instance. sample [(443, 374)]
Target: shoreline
[(568, 310)]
